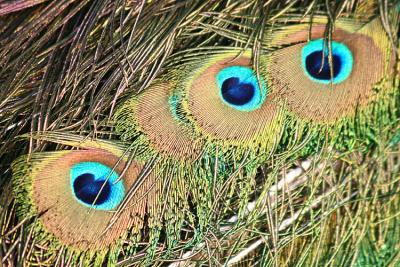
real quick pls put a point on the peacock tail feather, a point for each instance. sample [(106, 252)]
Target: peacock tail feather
[(199, 133)]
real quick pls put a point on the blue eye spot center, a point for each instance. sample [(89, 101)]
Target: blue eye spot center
[(96, 185), (239, 88), (237, 93), (314, 62), (91, 191)]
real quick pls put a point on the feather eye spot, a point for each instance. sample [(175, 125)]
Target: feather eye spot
[(96, 185), (239, 88), (316, 66), (91, 191), (62, 191), (237, 93), (159, 121)]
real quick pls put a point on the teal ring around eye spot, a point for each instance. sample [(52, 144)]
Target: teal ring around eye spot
[(86, 179), (342, 61), (239, 88), (173, 101)]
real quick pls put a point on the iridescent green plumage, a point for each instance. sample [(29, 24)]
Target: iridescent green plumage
[(209, 101)]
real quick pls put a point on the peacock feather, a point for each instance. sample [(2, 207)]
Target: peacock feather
[(199, 133)]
